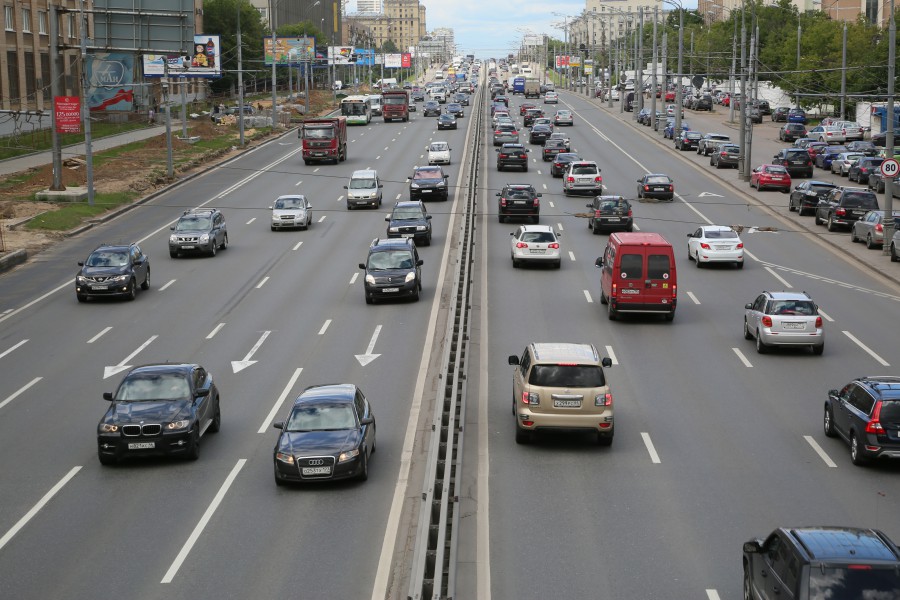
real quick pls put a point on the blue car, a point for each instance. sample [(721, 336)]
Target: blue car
[(827, 155), (669, 131), (797, 115)]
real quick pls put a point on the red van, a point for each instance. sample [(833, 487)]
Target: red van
[(638, 275)]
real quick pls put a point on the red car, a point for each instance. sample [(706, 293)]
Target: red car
[(771, 176), (525, 106), (670, 96)]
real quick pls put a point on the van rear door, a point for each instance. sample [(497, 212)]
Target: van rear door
[(645, 280)]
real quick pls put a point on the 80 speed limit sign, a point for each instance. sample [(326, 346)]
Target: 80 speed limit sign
[(890, 168)]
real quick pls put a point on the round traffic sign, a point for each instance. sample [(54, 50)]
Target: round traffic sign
[(890, 168)]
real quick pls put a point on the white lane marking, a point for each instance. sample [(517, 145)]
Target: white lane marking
[(571, 256), (552, 205), (871, 352), (635, 227), (239, 365), (815, 446), (825, 316), (250, 221), (215, 330), (545, 187), (368, 357), (322, 218), (587, 296), (18, 393), (298, 183), (284, 394), (167, 285), (341, 197), (743, 358), (712, 595), (104, 331), (37, 507), (539, 171), (297, 246), (779, 278), (833, 281), (693, 297), (262, 283), (325, 327), (201, 525), (316, 170), (654, 457), (353, 279), (110, 371), (379, 156), (398, 196), (560, 227), (8, 310), (612, 355), (13, 348), (386, 147)]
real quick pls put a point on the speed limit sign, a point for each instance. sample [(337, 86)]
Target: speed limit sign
[(890, 168)]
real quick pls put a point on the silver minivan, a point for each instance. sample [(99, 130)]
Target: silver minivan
[(364, 189)]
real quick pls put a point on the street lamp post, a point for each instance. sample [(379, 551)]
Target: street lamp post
[(274, 55), (889, 182), (678, 86), (653, 82)]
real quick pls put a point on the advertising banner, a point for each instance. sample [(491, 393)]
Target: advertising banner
[(406, 60), (562, 61), (68, 114), (339, 55), (289, 51), (205, 61), (110, 81), (574, 61), (392, 61), (365, 57)]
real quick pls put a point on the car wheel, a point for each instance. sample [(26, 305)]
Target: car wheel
[(856, 452), (791, 207), (272, 227), (818, 350), (369, 300), (106, 459), (132, 290), (610, 311), (174, 254), (364, 470), (146, 284), (869, 243), (216, 424), (818, 221), (830, 225), (500, 218), (748, 595), (603, 298), (747, 334), (515, 263), (894, 256), (193, 452), (557, 264), (213, 248), (828, 423), (739, 265), (278, 481), (697, 259), (225, 240), (415, 297), (525, 168), (523, 436), (761, 347)]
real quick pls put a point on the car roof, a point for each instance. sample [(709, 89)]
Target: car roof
[(364, 174), (520, 186), (331, 393), (164, 368), (408, 203), (116, 247), (716, 228), (543, 228), (845, 544), (787, 295), (565, 352), (391, 244)]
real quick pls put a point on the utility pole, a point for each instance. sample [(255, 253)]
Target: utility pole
[(743, 172), (799, 33), (733, 71), (54, 92), (653, 76), (844, 73), (274, 56), (889, 138), (640, 61), (241, 77), (85, 109), (679, 92)]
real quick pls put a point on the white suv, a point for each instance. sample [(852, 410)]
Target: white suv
[(582, 177)]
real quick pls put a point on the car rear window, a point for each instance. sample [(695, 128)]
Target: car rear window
[(712, 235), (859, 200), (631, 266), (658, 266), (538, 237), (855, 582), (793, 307), (658, 179), (584, 169), (572, 376)]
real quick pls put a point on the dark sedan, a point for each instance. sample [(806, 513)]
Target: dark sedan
[(159, 410), (539, 134), (455, 109), (864, 146), (656, 185), (431, 109), (428, 183), (863, 168), (806, 196), (688, 140), (551, 148), (531, 114), (329, 434), (561, 163), (410, 220), (446, 121), (610, 213)]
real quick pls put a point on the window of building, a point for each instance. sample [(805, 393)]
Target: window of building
[(26, 20), (70, 25), (45, 76), (29, 77), (12, 72), (9, 18), (42, 22)]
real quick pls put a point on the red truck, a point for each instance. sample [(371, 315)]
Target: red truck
[(395, 105), (324, 139)]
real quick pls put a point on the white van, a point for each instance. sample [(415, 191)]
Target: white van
[(375, 104), (364, 189), (385, 83), (439, 94)]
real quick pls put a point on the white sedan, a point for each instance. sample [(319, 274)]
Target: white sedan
[(716, 244), (535, 243), (439, 153), (551, 97), (291, 211)]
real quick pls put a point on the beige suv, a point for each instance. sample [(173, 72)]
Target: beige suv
[(561, 386)]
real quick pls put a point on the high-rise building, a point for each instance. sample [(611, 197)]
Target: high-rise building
[(369, 6)]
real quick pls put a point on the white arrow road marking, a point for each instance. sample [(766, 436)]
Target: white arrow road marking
[(709, 195), (19, 392), (110, 371), (815, 446), (37, 507), (368, 357), (13, 348), (240, 365), (868, 350), (99, 335), (654, 457), (201, 525), (215, 330), (284, 394)]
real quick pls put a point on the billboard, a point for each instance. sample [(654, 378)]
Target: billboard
[(110, 81), (392, 61), (289, 51), (406, 60), (574, 61), (68, 114), (205, 60), (340, 55), (365, 57), (562, 61)]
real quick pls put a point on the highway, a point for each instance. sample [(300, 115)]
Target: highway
[(714, 444)]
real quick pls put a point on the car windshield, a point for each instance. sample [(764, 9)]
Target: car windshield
[(859, 200), (538, 237), (793, 307), (288, 203), (657, 179), (390, 259), (848, 583), (406, 213), (721, 234), (439, 147), (153, 386), (318, 133), (321, 418), (427, 174), (362, 183), (568, 376), (107, 259), (192, 224)]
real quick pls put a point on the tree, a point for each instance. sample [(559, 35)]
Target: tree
[(221, 17), (389, 47)]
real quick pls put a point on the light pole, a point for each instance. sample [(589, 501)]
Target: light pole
[(678, 86), (566, 42), (889, 182), (274, 56)]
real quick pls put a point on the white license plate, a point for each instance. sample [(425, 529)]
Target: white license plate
[(631, 291), (142, 445), (518, 202), (792, 325), (567, 403), (536, 251), (776, 178), (316, 470), (722, 247), (101, 287), (187, 246), (426, 191), (390, 290), (611, 219), (407, 235)]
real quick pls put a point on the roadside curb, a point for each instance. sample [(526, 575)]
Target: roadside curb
[(11, 259)]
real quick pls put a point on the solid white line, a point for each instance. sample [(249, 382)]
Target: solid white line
[(322, 218), (37, 507), (612, 355), (654, 457), (871, 352), (779, 278), (815, 446), (743, 358), (825, 316), (250, 221), (215, 330), (13, 348), (284, 393), (325, 327), (99, 335), (262, 283), (483, 512), (587, 296), (20, 391), (201, 525), (712, 595), (297, 246), (166, 286), (353, 279), (693, 297), (751, 255), (571, 256)]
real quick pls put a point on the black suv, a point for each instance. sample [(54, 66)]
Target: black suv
[(531, 114), (780, 114), (810, 563), (512, 155), (807, 195), (863, 168), (843, 205), (160, 409), (795, 160), (866, 414), (410, 220), (113, 270), (519, 200), (199, 230), (393, 270), (428, 183), (610, 213), (539, 134), (703, 102)]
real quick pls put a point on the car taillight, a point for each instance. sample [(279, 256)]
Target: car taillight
[(603, 399), (767, 321), (614, 290), (570, 179), (879, 228), (598, 179), (530, 398), (497, 132), (597, 213), (818, 321), (671, 188), (874, 424), (840, 212), (521, 245), (503, 155), (554, 245), (723, 154), (629, 212), (502, 201), (739, 246), (844, 131), (704, 245), (809, 163), (646, 188), (536, 202), (786, 162)]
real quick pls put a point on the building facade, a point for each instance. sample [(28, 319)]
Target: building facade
[(326, 15), (402, 23)]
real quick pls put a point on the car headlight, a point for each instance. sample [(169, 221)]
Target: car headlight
[(80, 279), (370, 280), (394, 229), (173, 238), (411, 276), (415, 186), (372, 195), (348, 455), (441, 184), (177, 425), (108, 428), (204, 238), (120, 278), (421, 228), (284, 457)]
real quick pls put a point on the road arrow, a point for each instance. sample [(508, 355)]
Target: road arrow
[(110, 371), (240, 365), (368, 357), (709, 195)]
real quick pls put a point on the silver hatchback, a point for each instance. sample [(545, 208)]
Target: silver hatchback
[(784, 319)]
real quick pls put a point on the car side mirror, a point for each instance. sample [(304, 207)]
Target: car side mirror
[(387, 217), (752, 547), (512, 233), (598, 262), (345, 187), (270, 208), (446, 177), (366, 421), (606, 362), (497, 149), (172, 228), (202, 392), (362, 266), (513, 360), (427, 217), (80, 264), (107, 396), (278, 424), (540, 195), (380, 185), (690, 235), (589, 205), (420, 262), (832, 393), (748, 306)]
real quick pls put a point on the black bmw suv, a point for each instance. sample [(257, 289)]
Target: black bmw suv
[(519, 200), (410, 220), (200, 230), (393, 270), (428, 183), (843, 205), (512, 155), (866, 414), (113, 270)]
